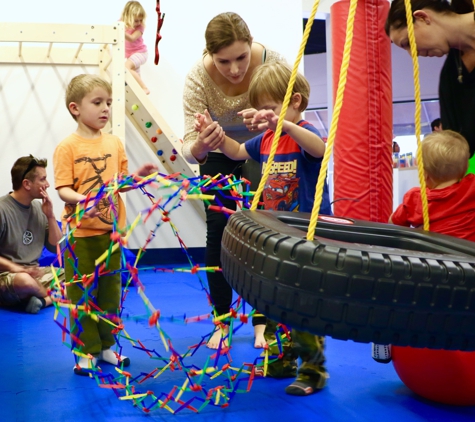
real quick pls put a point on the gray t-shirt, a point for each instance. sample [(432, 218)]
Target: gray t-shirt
[(23, 231)]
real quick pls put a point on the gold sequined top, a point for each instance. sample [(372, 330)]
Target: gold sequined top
[(201, 93)]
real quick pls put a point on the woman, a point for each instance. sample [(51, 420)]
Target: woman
[(219, 82), (441, 28)]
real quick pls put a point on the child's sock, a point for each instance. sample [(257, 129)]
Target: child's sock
[(381, 352), (34, 305), (85, 366), (109, 356)]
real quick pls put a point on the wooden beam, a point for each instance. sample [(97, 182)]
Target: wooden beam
[(57, 33), (48, 56)]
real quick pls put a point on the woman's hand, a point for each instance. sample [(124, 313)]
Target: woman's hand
[(202, 121), (211, 136)]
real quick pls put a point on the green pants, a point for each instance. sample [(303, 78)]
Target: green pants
[(96, 336), (306, 346)]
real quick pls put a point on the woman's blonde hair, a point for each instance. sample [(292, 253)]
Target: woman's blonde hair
[(445, 155), (270, 80), (223, 30), (132, 10)]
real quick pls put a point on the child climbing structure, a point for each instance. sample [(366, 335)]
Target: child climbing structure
[(102, 46), (154, 129), (157, 134)]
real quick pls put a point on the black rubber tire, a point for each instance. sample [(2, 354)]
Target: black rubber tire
[(361, 281)]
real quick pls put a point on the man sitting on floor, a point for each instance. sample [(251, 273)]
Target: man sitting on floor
[(26, 226)]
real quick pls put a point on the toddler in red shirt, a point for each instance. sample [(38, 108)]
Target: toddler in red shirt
[(450, 191)]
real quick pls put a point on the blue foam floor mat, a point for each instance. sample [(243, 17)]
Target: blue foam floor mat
[(37, 381)]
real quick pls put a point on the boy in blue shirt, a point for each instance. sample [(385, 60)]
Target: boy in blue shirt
[(290, 187)]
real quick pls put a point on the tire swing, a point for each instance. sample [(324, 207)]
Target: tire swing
[(357, 280), (362, 281), (366, 282)]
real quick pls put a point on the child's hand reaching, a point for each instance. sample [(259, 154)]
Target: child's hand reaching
[(248, 118), (147, 169), (265, 119), (92, 212)]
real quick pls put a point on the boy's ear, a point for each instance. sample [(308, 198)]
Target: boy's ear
[(73, 109), (296, 99), (429, 180)]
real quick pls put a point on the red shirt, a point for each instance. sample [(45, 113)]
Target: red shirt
[(451, 209)]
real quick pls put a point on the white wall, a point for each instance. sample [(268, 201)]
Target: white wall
[(33, 117), (403, 79)]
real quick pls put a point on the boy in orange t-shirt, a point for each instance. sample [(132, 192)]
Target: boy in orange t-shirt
[(82, 163)]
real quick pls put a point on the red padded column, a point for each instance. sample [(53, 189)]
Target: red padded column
[(363, 143)]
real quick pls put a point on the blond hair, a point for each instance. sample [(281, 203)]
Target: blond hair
[(445, 155), (270, 81), (82, 85), (132, 10), (223, 30)]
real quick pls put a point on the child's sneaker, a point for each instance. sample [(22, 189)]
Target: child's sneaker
[(85, 366), (111, 357), (381, 352), (306, 384)]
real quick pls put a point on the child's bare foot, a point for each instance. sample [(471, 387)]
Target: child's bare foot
[(146, 90), (259, 340), (213, 342)]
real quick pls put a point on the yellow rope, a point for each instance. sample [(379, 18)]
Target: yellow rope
[(417, 112), (336, 115), (288, 95)]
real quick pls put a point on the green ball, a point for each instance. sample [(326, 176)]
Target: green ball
[(148, 124), (135, 107)]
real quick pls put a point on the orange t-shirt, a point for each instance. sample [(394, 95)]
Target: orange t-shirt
[(85, 165)]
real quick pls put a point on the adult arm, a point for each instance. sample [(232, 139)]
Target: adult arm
[(197, 145), (10, 266)]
